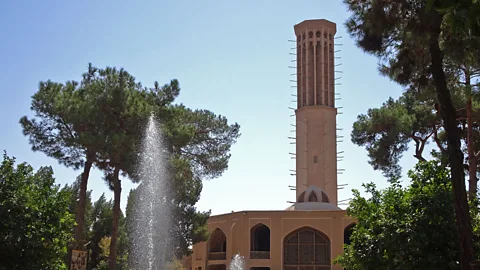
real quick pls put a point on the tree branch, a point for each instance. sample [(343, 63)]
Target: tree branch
[(62, 122), (424, 141), (419, 146)]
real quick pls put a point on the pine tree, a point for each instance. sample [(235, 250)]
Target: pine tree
[(413, 40), (64, 127)]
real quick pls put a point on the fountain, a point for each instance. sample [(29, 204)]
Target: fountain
[(237, 263), (151, 213)]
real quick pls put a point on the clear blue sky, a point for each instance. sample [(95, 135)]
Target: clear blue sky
[(230, 57)]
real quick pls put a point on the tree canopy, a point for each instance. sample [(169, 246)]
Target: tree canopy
[(409, 227), (66, 126), (418, 47), (203, 138), (100, 122), (123, 111), (387, 132), (36, 223)]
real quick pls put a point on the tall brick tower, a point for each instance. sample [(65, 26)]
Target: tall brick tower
[(316, 149)]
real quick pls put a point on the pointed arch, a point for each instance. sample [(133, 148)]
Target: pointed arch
[(260, 242), (217, 245), (325, 198), (313, 197), (306, 247), (347, 233), (301, 197)]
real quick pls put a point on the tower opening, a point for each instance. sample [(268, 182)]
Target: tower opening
[(301, 198), (325, 197), (313, 197)]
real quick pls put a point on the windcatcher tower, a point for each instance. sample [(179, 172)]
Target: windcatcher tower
[(316, 148)]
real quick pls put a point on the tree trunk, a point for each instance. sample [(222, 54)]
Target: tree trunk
[(82, 198), (117, 190), (472, 159), (455, 154)]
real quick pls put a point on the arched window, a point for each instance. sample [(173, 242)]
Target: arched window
[(325, 197), (347, 233), (306, 248), (301, 198), (313, 197), (260, 242), (217, 245)]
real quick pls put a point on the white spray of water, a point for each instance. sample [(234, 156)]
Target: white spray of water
[(237, 263), (150, 232)]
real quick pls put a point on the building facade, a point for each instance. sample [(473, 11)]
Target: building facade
[(310, 233)]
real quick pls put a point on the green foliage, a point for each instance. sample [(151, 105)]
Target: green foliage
[(395, 32), (67, 123), (387, 131), (98, 225), (125, 112), (105, 246), (202, 138), (401, 45), (185, 191), (401, 35), (121, 110), (405, 228), (461, 28), (35, 223), (101, 228), (416, 47), (199, 143), (52, 129), (101, 121), (66, 127)]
